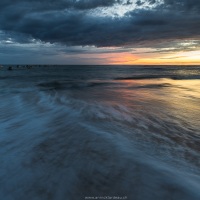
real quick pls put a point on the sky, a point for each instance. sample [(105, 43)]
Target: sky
[(124, 32)]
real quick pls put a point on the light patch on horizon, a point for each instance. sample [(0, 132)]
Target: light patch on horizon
[(172, 58), (93, 55)]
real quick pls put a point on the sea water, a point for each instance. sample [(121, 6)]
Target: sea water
[(100, 132)]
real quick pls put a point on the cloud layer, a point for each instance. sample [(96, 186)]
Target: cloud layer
[(73, 22)]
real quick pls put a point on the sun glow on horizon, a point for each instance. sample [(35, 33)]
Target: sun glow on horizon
[(178, 58)]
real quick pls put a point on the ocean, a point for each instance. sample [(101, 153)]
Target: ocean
[(100, 132)]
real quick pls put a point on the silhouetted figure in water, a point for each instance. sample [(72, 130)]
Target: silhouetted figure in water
[(10, 68)]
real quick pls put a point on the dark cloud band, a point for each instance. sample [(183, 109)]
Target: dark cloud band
[(69, 22)]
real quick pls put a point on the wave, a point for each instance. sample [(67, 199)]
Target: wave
[(173, 77), (61, 85), (152, 86), (65, 138), (146, 124), (59, 152)]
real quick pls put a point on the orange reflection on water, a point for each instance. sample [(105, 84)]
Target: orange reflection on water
[(176, 98)]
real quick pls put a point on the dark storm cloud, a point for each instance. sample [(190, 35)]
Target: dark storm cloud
[(58, 5), (183, 5), (69, 22), (11, 38)]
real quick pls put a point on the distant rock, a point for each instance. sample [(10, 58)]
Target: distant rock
[(10, 68)]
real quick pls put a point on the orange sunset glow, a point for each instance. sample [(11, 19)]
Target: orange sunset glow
[(182, 58), (176, 58)]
